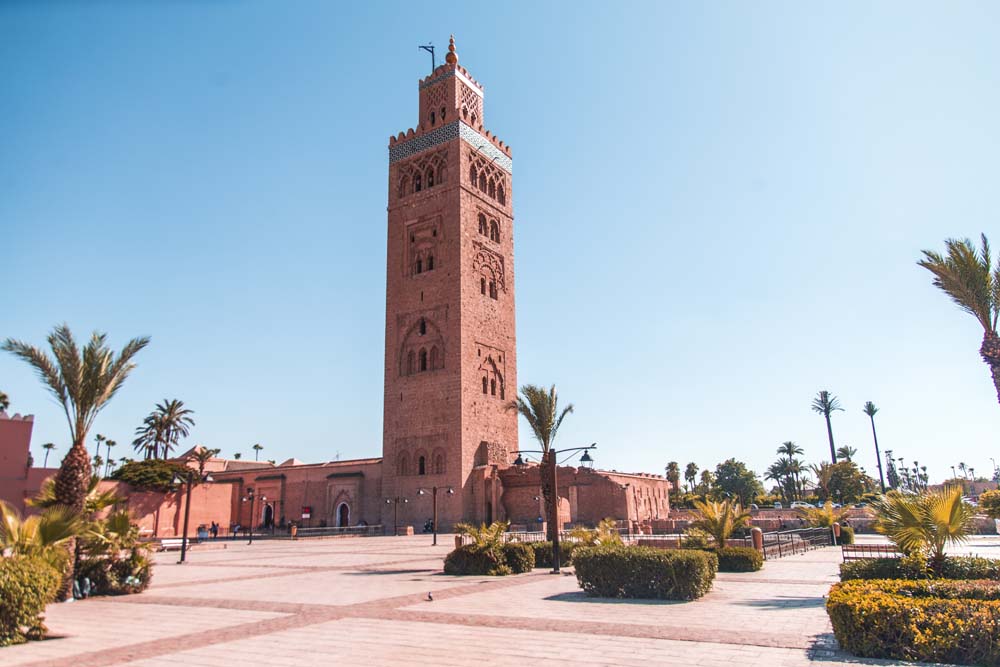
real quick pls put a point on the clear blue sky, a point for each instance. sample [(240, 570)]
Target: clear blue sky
[(718, 209)]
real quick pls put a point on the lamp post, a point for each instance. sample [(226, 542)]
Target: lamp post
[(549, 460), (434, 498), (189, 480), (395, 511), (250, 498)]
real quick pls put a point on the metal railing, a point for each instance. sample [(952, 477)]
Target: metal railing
[(788, 542), (332, 531)]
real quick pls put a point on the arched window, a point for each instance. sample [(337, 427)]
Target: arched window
[(438, 464), (403, 467), (472, 174), (482, 182), (465, 112), (441, 174), (423, 326), (420, 266), (473, 119), (442, 114), (501, 391), (485, 384), (416, 183), (432, 118), (410, 362), (430, 262), (482, 285), (482, 224), (430, 177), (492, 190), (435, 361), (494, 231), (501, 196), (423, 360), (421, 466), (493, 289)]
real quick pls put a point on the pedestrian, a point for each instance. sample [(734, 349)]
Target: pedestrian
[(215, 530)]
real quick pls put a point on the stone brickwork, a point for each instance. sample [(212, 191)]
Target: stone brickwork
[(450, 358)]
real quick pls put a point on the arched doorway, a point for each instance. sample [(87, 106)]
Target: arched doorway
[(268, 516), (343, 515)]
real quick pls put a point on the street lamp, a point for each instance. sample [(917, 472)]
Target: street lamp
[(434, 497), (250, 498), (550, 460), (189, 480), (395, 511)]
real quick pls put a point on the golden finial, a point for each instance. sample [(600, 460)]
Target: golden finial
[(452, 57)]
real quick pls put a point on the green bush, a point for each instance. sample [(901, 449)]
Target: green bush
[(739, 559), (846, 535), (512, 558), (26, 586), (644, 572), (117, 576), (915, 567), (543, 553), (519, 557), (151, 474), (930, 621)]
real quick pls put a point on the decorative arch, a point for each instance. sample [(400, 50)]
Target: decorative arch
[(437, 462), (419, 345), (403, 464)]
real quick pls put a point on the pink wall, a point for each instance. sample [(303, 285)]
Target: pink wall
[(17, 481)]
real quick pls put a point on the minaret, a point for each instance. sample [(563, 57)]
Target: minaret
[(450, 367)]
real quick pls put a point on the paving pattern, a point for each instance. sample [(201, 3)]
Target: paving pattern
[(355, 601)]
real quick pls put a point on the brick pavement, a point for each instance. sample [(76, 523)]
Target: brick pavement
[(363, 601)]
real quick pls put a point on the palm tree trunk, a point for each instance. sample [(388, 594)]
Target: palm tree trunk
[(549, 495), (990, 352), (829, 434), (71, 490), (878, 455)]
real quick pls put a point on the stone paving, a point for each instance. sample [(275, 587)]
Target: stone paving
[(364, 601)]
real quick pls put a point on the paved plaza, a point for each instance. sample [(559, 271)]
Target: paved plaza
[(364, 601)]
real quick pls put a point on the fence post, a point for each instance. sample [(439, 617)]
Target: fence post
[(836, 532), (757, 535)]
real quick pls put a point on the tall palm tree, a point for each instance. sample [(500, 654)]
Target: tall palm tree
[(673, 471), (109, 444), (847, 452), (789, 450), (203, 456), (691, 474), (540, 408), (968, 276), (256, 451), (826, 404), (779, 472), (83, 381), (163, 428), (4, 402), (870, 410), (48, 447)]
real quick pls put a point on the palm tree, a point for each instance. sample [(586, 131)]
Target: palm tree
[(83, 381), (4, 402), (109, 444), (203, 456), (789, 449), (822, 517), (237, 456), (925, 523), (691, 474), (719, 519), (870, 410), (256, 451), (968, 276), (40, 535), (825, 404), (673, 471), (846, 452), (164, 426), (779, 473), (540, 408), (48, 447)]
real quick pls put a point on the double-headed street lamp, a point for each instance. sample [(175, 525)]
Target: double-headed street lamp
[(189, 480), (249, 497), (434, 496), (395, 511), (550, 460)]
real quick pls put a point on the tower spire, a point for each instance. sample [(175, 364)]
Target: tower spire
[(452, 57)]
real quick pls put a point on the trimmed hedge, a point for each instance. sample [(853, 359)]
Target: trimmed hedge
[(26, 586), (846, 535), (644, 572), (739, 559), (930, 621), (514, 558), (954, 567), (543, 553)]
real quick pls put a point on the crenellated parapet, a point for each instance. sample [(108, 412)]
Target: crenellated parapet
[(16, 417)]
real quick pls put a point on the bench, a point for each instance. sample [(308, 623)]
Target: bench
[(174, 543), (866, 551)]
